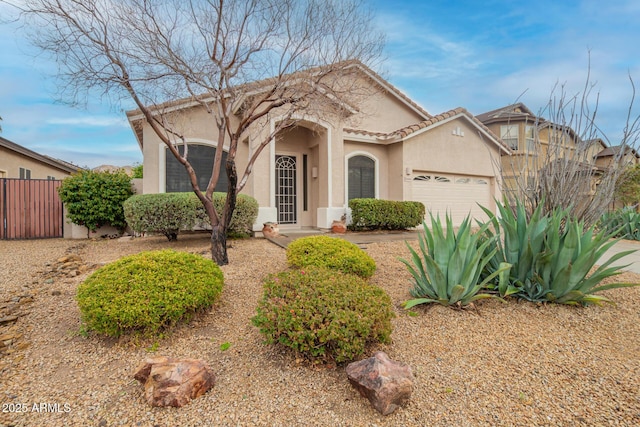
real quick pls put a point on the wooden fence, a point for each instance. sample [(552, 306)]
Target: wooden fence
[(30, 209)]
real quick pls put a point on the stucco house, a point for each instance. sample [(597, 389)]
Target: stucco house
[(387, 147), (17, 161)]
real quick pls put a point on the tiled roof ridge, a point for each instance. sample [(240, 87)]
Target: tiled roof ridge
[(408, 130)]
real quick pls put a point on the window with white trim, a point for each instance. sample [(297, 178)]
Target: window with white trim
[(25, 173), (530, 138), (201, 158), (509, 135), (362, 177)]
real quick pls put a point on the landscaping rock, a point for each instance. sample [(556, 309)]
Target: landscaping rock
[(174, 382), (386, 383)]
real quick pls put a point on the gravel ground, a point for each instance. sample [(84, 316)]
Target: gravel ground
[(515, 364)]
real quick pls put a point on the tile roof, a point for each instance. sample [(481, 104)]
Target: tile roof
[(406, 131), (513, 111)]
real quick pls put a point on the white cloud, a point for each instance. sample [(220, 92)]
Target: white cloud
[(90, 121)]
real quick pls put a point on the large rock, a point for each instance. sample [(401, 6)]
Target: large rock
[(386, 383), (174, 382)]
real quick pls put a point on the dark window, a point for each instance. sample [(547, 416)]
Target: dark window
[(362, 177), (25, 173), (201, 158)]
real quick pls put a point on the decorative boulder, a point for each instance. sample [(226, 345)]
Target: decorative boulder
[(174, 382), (386, 383), (270, 229)]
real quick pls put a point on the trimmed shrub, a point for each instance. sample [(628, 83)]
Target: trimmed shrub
[(323, 314), (147, 292), (168, 213), (94, 199), (332, 253), (375, 214), (165, 213), (244, 215)]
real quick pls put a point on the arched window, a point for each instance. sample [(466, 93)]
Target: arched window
[(362, 177), (201, 158)]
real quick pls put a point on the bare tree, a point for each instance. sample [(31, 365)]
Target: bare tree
[(240, 60), (558, 165)]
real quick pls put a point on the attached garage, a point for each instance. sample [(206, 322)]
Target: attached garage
[(457, 195)]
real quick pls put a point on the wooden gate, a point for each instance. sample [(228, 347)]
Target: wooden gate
[(30, 209)]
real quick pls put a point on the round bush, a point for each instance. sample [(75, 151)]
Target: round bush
[(148, 291), (330, 252), (323, 314)]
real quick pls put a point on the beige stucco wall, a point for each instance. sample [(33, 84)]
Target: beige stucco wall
[(11, 162), (381, 111), (439, 150)]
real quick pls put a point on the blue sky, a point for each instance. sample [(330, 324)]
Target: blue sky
[(442, 54)]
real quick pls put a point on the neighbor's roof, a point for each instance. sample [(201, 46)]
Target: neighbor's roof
[(56, 163), (135, 116), (510, 112), (412, 130), (615, 150)]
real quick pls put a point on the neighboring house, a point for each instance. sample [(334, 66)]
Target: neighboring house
[(17, 161), (606, 157), (388, 148), (537, 144)]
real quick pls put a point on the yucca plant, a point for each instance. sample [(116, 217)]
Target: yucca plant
[(551, 256), (623, 223), (447, 269)]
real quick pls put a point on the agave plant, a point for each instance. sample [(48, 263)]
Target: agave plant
[(447, 269), (551, 256), (623, 223)]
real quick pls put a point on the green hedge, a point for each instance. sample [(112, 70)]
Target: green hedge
[(323, 314), (375, 214), (94, 199), (168, 213), (148, 292), (332, 253)]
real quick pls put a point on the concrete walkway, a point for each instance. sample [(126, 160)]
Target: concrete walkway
[(362, 239)]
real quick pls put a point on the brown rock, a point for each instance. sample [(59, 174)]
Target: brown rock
[(386, 383), (174, 382)]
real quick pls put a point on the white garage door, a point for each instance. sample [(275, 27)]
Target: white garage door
[(458, 195)]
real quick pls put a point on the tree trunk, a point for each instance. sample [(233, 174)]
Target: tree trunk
[(219, 231), (219, 245)]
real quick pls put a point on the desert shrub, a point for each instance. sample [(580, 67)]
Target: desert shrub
[(375, 214), (551, 255), (244, 215), (94, 199), (447, 270), (147, 292), (323, 314), (623, 223), (165, 213), (169, 213), (330, 252)]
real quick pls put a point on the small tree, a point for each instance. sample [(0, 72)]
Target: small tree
[(628, 186), (138, 171), (94, 199), (210, 54)]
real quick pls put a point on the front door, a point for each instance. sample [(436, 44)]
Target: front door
[(286, 199)]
